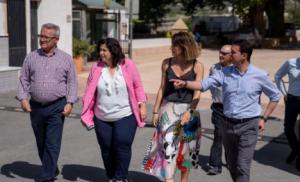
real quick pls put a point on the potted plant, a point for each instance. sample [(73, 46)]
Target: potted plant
[(81, 49)]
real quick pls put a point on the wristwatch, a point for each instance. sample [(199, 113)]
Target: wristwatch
[(191, 111)]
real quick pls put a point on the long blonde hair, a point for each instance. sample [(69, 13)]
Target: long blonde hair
[(187, 43)]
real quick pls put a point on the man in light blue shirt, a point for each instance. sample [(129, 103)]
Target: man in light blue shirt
[(292, 104), (242, 86)]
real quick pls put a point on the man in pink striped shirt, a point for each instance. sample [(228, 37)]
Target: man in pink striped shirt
[(48, 90)]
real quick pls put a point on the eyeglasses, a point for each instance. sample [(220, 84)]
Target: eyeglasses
[(224, 53), (46, 37)]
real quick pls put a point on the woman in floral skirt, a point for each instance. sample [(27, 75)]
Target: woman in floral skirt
[(176, 141)]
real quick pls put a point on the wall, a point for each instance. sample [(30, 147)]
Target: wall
[(135, 7), (58, 12), (3, 18), (3, 34)]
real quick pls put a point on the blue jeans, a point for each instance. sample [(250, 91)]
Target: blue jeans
[(47, 123), (115, 140)]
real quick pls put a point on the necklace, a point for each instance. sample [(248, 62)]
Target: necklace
[(111, 82)]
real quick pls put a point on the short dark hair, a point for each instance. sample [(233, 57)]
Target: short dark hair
[(114, 48), (245, 47)]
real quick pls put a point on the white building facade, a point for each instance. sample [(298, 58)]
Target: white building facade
[(20, 24)]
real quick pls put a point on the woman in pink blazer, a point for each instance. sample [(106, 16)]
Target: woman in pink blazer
[(114, 104)]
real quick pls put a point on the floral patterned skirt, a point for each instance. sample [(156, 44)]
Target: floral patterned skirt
[(173, 146)]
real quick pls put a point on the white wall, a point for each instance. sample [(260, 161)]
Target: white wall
[(3, 18), (4, 49), (28, 27), (60, 13)]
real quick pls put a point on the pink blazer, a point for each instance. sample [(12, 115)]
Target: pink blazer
[(134, 86)]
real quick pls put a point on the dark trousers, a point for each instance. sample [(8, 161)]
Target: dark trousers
[(115, 140), (239, 141), (47, 123), (292, 109), (217, 119)]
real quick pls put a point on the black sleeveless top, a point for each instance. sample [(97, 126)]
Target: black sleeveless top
[(182, 95)]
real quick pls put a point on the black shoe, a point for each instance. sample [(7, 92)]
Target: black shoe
[(214, 171), (291, 157), (56, 172)]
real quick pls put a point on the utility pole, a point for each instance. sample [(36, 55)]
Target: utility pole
[(130, 30)]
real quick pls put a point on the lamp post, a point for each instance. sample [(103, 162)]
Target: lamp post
[(130, 30)]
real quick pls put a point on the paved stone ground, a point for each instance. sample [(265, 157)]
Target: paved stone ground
[(80, 155)]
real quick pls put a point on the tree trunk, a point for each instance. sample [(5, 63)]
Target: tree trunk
[(275, 13), (257, 18)]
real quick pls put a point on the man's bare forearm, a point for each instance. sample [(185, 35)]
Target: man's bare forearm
[(193, 85), (270, 108)]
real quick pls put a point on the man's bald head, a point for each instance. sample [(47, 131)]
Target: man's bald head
[(226, 48), (225, 55)]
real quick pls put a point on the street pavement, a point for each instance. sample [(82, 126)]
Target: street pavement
[(80, 155), (80, 158)]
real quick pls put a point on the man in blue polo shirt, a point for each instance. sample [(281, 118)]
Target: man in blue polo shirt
[(242, 86)]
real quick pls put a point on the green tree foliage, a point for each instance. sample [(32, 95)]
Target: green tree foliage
[(122, 2), (189, 6), (250, 10), (153, 11), (294, 12)]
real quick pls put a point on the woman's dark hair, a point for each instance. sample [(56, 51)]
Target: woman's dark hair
[(114, 48)]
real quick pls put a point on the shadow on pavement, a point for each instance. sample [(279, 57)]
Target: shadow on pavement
[(74, 172), (20, 168), (69, 172), (143, 177), (274, 154)]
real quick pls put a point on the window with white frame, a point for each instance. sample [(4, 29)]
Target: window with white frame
[(77, 24)]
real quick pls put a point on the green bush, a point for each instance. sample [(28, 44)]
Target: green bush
[(188, 23), (82, 48), (139, 26), (168, 34)]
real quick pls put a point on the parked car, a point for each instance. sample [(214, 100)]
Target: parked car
[(290, 29)]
